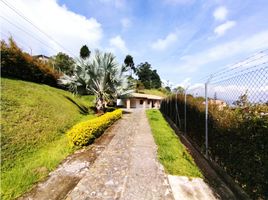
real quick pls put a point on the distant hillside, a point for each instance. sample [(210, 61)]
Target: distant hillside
[(33, 117)]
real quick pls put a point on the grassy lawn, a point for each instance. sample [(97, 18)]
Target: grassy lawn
[(153, 92), (34, 119), (171, 152)]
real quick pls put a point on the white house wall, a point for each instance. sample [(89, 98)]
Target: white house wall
[(135, 103)]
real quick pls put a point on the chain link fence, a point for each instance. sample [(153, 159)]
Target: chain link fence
[(226, 116)]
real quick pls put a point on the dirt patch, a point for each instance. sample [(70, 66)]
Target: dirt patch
[(71, 170)]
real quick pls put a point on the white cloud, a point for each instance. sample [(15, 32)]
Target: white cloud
[(220, 13), (221, 29), (118, 43), (69, 29), (167, 83), (192, 63), (185, 83), (126, 23), (162, 44)]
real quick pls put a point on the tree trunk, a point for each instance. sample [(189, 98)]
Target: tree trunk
[(100, 105)]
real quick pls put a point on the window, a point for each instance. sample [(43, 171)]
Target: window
[(141, 102)]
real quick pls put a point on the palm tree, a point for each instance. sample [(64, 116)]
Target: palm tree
[(103, 77)]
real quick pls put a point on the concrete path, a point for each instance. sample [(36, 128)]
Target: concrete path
[(121, 164), (128, 168)]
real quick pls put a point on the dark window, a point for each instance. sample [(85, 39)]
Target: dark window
[(141, 101)]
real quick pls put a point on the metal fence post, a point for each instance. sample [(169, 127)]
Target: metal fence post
[(185, 101), (206, 118), (176, 106)]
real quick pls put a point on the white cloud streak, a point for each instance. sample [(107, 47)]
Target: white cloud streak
[(118, 43), (162, 44), (192, 63), (221, 29)]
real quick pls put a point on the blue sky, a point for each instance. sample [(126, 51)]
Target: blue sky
[(184, 40)]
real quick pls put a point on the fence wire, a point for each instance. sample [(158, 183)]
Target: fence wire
[(227, 118)]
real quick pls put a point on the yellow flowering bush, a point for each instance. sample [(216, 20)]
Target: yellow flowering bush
[(84, 133)]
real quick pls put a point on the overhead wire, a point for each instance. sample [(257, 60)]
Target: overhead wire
[(39, 29), (228, 69), (31, 35)]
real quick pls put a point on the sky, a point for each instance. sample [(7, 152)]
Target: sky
[(184, 40)]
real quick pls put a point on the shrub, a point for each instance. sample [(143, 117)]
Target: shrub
[(84, 133), (20, 65), (237, 138)]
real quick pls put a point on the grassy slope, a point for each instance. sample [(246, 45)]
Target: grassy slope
[(171, 152), (33, 122), (153, 92)]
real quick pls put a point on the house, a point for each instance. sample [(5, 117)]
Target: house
[(138, 100), (219, 103), (42, 57)]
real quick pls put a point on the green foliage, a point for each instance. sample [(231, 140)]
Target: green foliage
[(102, 76), (237, 137), (155, 80), (157, 92), (17, 64), (63, 63), (84, 133), (34, 119), (179, 90), (130, 63), (171, 152), (168, 88), (84, 52), (242, 100), (149, 78)]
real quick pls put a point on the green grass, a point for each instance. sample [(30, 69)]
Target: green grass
[(171, 152), (34, 119), (153, 92)]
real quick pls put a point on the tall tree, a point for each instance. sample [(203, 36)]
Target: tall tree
[(63, 63), (144, 73), (155, 80), (242, 100), (179, 90), (130, 64), (148, 77), (84, 52)]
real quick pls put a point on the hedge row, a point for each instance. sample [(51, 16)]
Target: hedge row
[(237, 138), (85, 133), (20, 65)]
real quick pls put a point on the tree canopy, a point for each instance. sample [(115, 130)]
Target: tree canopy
[(102, 77), (148, 77), (63, 63), (84, 52), (130, 64)]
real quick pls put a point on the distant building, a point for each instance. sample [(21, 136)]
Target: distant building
[(219, 103), (138, 100), (42, 57)]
